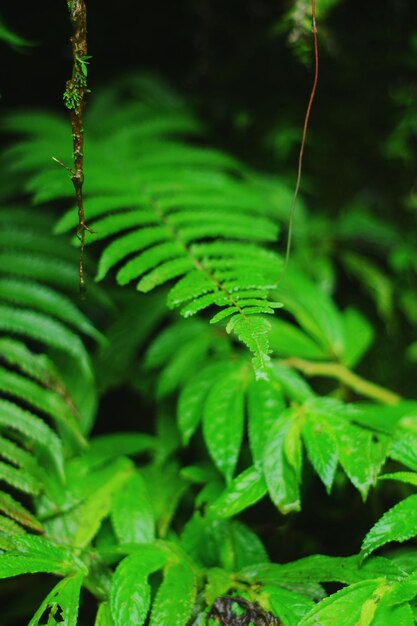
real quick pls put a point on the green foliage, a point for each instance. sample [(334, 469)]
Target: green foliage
[(175, 212), (158, 523)]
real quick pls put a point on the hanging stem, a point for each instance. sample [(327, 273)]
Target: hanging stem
[(303, 139), (74, 98)]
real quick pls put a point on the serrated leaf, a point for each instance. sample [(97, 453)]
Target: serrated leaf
[(265, 404), (103, 617), (322, 568), (248, 547), (90, 514), (401, 615), (223, 422), (218, 584), (166, 488), (404, 448), (352, 606), (282, 475), (289, 606), (243, 491), (61, 604), (361, 454), (397, 524), (320, 444), (404, 477), (132, 514), (253, 332), (130, 594), (35, 554), (192, 397), (175, 597), (403, 591)]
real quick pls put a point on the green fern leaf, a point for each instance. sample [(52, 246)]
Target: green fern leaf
[(165, 272), (19, 456), (38, 367), (199, 210), (98, 206), (46, 300), (44, 329), (128, 244), (147, 260), (116, 223), (42, 399), (20, 479), (18, 512), (34, 429), (9, 527), (253, 332), (35, 554)]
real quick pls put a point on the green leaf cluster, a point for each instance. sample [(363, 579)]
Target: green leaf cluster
[(252, 400)]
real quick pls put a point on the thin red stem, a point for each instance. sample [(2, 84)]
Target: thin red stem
[(303, 140)]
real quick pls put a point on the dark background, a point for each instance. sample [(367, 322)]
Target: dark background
[(240, 73)]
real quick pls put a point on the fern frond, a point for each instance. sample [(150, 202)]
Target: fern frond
[(179, 213), (16, 511)]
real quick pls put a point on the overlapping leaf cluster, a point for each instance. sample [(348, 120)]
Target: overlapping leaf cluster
[(154, 539)]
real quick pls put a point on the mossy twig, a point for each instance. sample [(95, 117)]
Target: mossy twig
[(74, 98)]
